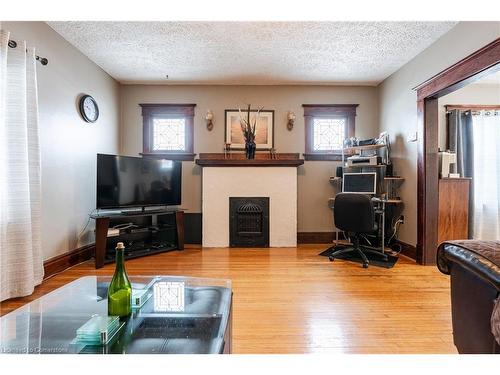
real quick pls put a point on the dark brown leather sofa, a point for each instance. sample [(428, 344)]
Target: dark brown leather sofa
[(474, 269)]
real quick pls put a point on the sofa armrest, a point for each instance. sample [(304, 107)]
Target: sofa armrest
[(473, 261)]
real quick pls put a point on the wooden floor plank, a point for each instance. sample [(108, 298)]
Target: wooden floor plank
[(290, 300)]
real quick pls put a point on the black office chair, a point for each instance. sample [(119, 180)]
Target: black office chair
[(354, 214)]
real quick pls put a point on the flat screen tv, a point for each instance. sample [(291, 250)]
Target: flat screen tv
[(125, 181)]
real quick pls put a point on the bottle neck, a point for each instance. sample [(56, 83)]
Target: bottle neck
[(120, 259)]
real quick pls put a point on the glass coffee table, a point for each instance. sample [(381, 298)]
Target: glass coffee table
[(179, 315)]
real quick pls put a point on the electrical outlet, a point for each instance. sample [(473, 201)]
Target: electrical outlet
[(402, 218)]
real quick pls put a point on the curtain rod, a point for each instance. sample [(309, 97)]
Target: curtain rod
[(476, 111), (43, 60), (491, 107)]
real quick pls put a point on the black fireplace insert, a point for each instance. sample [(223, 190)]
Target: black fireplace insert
[(249, 221)]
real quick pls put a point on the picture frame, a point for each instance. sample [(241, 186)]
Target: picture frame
[(264, 137)]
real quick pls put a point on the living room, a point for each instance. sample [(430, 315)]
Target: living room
[(260, 136)]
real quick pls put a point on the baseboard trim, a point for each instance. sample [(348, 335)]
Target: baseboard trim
[(64, 261), (408, 250), (315, 237)]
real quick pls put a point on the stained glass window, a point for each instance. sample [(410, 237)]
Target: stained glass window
[(327, 126), (169, 134), (328, 133)]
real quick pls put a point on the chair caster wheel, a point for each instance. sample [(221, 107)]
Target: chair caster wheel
[(331, 259), (365, 265)]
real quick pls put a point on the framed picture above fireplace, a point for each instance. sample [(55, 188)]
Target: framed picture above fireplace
[(264, 135)]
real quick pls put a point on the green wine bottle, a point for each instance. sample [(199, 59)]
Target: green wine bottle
[(120, 289)]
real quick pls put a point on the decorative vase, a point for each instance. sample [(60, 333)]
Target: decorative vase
[(250, 149)]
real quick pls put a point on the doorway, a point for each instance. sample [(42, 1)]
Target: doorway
[(481, 63)]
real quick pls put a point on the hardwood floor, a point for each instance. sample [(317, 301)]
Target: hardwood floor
[(294, 301)]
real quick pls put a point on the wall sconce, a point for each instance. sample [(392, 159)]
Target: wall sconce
[(209, 119), (291, 120)]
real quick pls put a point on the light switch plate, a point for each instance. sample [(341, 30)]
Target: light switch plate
[(412, 137)]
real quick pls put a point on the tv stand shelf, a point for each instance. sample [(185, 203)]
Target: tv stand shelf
[(153, 232)]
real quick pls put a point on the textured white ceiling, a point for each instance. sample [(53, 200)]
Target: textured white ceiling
[(251, 52)]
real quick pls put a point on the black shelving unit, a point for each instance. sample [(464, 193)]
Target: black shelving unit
[(142, 232)]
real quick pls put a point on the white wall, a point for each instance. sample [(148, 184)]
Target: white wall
[(398, 109), (470, 94), (314, 188), (68, 144)]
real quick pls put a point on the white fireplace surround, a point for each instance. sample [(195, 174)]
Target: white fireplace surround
[(277, 183)]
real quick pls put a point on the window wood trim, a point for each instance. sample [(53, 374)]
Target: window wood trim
[(150, 111), (312, 111)]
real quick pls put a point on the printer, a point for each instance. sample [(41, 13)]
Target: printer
[(368, 160), (446, 159)]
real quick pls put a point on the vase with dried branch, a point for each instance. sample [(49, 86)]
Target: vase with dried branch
[(248, 127)]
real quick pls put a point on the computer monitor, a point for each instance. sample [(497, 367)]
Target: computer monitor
[(363, 183)]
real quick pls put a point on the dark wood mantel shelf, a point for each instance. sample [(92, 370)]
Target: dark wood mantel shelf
[(239, 160)]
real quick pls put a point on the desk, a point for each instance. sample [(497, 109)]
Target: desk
[(387, 201)]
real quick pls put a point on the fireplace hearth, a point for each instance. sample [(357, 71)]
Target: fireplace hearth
[(249, 221)]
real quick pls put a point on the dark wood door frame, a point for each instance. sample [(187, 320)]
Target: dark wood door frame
[(475, 66)]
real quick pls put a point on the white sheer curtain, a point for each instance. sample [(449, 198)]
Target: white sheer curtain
[(21, 266), (486, 132)]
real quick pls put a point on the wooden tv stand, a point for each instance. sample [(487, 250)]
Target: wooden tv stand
[(151, 232)]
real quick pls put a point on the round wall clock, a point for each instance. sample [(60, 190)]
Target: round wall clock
[(89, 109)]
